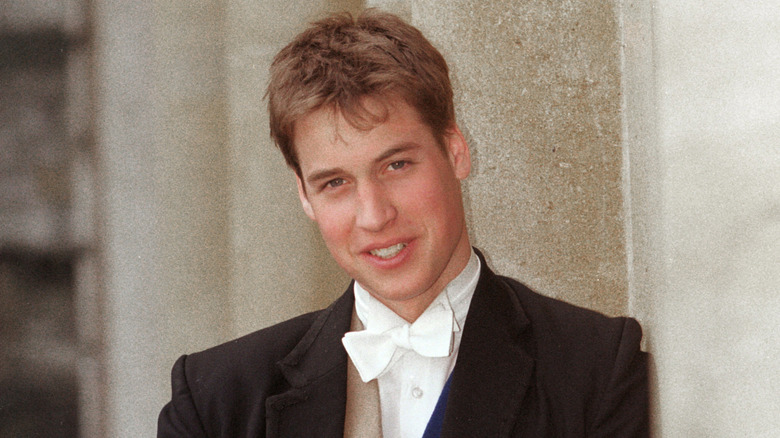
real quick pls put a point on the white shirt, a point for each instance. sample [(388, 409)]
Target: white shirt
[(410, 386)]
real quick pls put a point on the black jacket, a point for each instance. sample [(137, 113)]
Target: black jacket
[(528, 366)]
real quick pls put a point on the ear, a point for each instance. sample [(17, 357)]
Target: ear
[(304, 199), (458, 152)]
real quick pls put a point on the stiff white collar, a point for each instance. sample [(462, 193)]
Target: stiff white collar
[(431, 335)]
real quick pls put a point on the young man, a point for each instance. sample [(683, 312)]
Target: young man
[(426, 341)]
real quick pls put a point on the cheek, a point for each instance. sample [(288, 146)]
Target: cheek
[(334, 224), (432, 195), (439, 204)]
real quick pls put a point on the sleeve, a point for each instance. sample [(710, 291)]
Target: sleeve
[(623, 408), (179, 418)]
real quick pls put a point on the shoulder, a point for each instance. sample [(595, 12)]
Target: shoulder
[(258, 352), (567, 324), (554, 321), (247, 363), (216, 391), (588, 368), (581, 352), (262, 347), (213, 388), (230, 381)]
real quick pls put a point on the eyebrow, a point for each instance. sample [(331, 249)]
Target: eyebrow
[(324, 174), (396, 150)]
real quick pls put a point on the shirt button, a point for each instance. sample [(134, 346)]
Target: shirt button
[(417, 392)]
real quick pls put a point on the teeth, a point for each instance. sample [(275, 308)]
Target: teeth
[(390, 251)]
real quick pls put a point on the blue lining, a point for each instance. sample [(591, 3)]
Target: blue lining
[(433, 429)]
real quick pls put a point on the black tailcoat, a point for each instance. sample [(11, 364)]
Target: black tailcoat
[(528, 366)]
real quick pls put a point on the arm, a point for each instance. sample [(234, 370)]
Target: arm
[(622, 408), (179, 418)]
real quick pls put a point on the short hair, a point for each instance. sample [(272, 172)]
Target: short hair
[(340, 60)]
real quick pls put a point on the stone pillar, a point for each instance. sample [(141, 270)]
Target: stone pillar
[(538, 96), (160, 133)]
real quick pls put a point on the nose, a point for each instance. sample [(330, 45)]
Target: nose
[(374, 208)]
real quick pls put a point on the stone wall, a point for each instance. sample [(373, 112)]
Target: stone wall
[(538, 96), (625, 160)]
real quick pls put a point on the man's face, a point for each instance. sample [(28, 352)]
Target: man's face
[(387, 201)]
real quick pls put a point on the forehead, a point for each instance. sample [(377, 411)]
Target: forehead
[(363, 114), (385, 123)]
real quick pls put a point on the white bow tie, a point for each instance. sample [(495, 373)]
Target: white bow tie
[(430, 335)]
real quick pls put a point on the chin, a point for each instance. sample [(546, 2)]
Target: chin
[(396, 295)]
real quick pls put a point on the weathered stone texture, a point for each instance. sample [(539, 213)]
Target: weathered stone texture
[(538, 95)]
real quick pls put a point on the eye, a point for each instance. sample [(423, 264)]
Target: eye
[(395, 165), (336, 182)]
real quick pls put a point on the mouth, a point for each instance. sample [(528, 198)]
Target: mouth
[(389, 252)]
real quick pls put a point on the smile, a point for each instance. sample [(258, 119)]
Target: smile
[(389, 252)]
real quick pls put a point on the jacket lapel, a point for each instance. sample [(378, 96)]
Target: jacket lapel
[(493, 370), (489, 382), (316, 371)]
